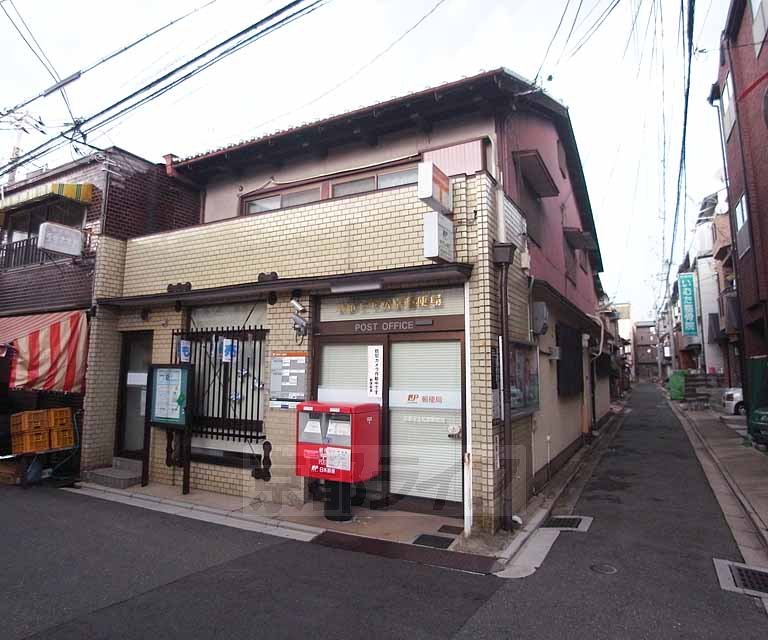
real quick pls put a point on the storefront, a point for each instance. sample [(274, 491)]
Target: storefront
[(405, 351)]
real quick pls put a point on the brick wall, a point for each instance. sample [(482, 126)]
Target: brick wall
[(143, 199), (747, 159)]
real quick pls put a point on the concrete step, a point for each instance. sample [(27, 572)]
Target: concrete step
[(129, 464), (115, 478)]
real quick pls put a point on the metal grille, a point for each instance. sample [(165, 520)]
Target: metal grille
[(228, 387), (560, 522), (751, 579)]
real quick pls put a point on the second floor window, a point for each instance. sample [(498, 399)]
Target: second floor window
[(759, 23), (728, 105), (273, 201)]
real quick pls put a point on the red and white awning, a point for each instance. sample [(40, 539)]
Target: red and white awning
[(48, 351)]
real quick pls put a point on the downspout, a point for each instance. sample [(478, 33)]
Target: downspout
[(468, 508), (592, 369), (746, 191), (503, 256), (734, 259)]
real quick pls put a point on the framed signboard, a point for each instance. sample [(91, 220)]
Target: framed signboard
[(169, 402)]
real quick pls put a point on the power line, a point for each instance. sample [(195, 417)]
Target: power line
[(591, 31), (215, 54), (78, 74), (44, 60), (552, 40)]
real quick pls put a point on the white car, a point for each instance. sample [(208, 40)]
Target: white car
[(733, 402)]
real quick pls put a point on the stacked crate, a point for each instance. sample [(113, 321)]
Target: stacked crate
[(29, 432), (35, 431), (60, 425)]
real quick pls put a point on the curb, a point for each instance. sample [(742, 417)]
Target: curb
[(757, 521), (195, 511)]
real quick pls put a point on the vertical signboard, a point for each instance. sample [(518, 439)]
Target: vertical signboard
[(688, 304), (375, 355)]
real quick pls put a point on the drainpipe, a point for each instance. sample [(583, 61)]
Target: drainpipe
[(503, 256)]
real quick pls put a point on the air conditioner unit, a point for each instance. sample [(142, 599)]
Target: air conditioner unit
[(540, 318), (554, 353)]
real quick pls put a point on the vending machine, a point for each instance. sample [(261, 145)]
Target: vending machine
[(338, 442)]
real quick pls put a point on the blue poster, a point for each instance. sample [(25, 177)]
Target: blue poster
[(688, 304)]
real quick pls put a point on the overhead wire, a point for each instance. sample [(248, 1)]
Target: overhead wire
[(223, 49), (78, 74), (42, 58), (552, 40)]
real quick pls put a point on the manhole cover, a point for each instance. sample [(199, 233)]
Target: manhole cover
[(752, 579), (606, 569), (561, 522)]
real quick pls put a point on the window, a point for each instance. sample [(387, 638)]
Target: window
[(305, 196), (727, 101), (741, 215), (561, 159), (398, 178), (570, 261), (354, 186), (282, 200), (524, 376), (533, 211), (26, 224), (759, 23), (262, 205), (583, 261)]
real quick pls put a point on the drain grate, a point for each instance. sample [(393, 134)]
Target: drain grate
[(449, 528), (438, 542), (748, 578), (562, 522)]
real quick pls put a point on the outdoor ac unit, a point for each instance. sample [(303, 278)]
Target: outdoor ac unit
[(540, 319), (554, 353)]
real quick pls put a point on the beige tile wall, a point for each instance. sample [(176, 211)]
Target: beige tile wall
[(368, 232)]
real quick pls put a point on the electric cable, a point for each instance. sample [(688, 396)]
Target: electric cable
[(242, 38), (552, 40), (78, 74)]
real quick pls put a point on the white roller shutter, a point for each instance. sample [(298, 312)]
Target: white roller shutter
[(425, 412), (344, 373)]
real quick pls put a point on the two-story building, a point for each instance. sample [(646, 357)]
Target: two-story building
[(646, 358), (47, 299), (316, 255)]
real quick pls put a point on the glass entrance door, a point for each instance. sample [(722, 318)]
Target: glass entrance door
[(426, 419), (137, 356)]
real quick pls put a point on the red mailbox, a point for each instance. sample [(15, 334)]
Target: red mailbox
[(340, 442)]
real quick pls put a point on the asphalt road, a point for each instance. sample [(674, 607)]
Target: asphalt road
[(77, 567)]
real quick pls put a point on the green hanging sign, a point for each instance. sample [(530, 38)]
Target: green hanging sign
[(688, 314)]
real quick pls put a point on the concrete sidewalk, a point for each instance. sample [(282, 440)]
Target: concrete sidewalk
[(744, 468)]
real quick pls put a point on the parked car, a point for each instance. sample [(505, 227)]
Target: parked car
[(733, 402)]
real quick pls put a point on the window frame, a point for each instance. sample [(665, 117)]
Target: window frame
[(727, 100), (570, 260), (758, 8), (325, 188)]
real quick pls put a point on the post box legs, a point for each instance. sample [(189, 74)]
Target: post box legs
[(338, 501)]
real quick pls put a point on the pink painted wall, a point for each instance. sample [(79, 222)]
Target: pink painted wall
[(528, 131)]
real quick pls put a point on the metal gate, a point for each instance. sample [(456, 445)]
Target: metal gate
[(228, 387)]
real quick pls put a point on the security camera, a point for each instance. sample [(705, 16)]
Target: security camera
[(299, 324), (297, 305)]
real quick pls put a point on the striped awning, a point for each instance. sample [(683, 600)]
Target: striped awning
[(48, 351), (78, 191)]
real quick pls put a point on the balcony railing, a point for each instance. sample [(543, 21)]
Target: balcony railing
[(24, 253), (20, 253)]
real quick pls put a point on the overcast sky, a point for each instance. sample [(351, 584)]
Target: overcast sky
[(612, 85)]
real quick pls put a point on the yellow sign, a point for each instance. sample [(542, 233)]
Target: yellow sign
[(395, 303)]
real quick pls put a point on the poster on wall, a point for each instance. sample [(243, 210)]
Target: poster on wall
[(688, 304), (375, 355), (287, 385), (171, 387)]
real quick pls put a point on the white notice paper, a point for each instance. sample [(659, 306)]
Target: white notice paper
[(336, 458), (337, 428), (167, 394), (375, 356)]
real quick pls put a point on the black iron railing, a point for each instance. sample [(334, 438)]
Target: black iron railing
[(228, 399), (20, 253)]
